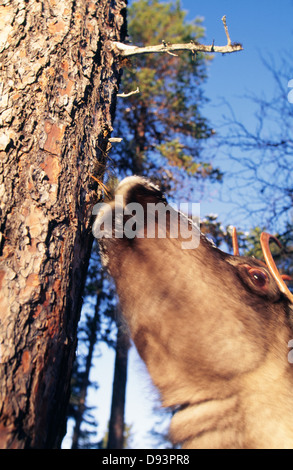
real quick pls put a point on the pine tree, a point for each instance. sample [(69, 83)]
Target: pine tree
[(59, 81), (162, 126)]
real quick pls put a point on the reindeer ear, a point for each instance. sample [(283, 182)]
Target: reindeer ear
[(258, 280)]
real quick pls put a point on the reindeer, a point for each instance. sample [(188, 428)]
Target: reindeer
[(212, 328)]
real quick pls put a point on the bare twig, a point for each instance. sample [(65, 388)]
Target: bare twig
[(171, 53), (125, 95), (226, 30), (133, 50), (126, 50), (115, 139), (104, 187), (168, 52)]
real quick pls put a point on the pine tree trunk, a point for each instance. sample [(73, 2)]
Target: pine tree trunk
[(59, 80), (117, 424), (93, 329)]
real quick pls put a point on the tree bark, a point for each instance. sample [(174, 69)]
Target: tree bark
[(59, 80)]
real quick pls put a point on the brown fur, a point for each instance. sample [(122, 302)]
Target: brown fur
[(215, 346)]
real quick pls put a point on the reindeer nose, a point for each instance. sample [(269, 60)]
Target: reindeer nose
[(129, 182), (140, 190)]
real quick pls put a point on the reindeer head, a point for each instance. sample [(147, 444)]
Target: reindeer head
[(212, 328)]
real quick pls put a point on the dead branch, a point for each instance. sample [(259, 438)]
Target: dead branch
[(126, 50), (226, 30), (125, 95)]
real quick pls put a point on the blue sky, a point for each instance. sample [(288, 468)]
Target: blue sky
[(265, 28)]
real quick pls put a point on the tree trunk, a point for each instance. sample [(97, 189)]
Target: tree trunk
[(116, 424), (59, 80)]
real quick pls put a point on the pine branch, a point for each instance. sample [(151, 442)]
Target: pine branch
[(125, 50)]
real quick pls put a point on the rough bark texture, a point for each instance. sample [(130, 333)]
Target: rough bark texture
[(59, 80)]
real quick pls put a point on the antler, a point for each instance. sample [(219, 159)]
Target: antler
[(235, 242), (286, 277), (265, 245)]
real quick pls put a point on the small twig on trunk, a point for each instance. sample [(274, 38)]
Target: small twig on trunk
[(126, 50), (125, 95)]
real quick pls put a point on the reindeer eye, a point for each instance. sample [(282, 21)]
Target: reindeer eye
[(258, 277)]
